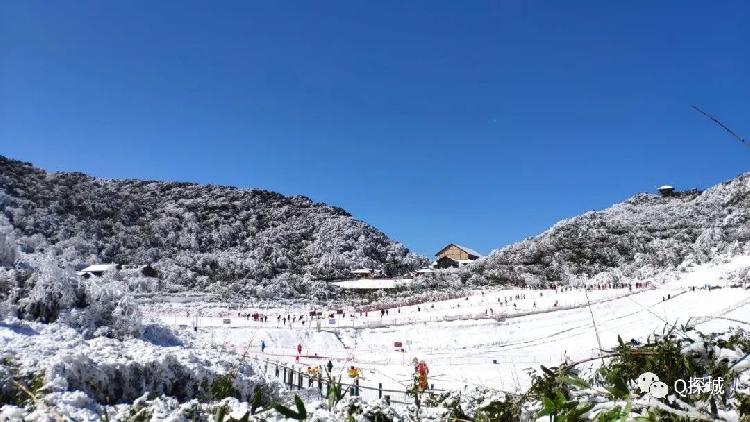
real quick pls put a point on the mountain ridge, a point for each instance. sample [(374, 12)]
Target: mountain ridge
[(196, 234), (636, 238)]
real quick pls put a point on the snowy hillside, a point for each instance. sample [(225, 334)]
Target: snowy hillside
[(639, 238), (195, 235)]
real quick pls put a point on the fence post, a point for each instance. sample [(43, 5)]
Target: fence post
[(380, 390), (320, 383), (356, 388), (299, 380), (285, 375)]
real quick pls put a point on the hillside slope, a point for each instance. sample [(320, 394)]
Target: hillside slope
[(196, 235), (641, 237)]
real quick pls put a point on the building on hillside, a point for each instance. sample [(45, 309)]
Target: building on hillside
[(424, 271), (447, 262), (98, 270), (366, 273), (666, 190), (455, 256), (458, 252)]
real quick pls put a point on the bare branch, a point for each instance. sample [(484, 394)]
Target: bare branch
[(723, 126)]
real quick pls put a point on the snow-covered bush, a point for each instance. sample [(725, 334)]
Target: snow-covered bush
[(126, 380), (8, 250), (97, 306), (48, 292), (109, 311)]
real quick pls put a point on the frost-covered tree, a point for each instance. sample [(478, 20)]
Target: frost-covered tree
[(198, 236), (638, 238)]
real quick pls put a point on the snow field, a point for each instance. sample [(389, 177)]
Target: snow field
[(466, 347)]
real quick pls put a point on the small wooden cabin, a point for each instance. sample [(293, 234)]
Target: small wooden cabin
[(457, 253)]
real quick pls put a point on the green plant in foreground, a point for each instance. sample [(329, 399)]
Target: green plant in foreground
[(335, 391), (223, 386), (300, 414), (498, 411), (616, 414), (552, 388), (257, 400)]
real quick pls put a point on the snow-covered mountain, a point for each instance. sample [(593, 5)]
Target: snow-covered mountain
[(644, 236), (195, 235)]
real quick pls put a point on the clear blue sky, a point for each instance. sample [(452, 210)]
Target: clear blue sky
[(478, 123)]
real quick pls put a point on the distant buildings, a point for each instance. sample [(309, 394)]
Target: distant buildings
[(666, 190), (455, 256), (98, 270), (451, 256), (366, 273)]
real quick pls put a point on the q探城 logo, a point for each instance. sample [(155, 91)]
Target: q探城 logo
[(649, 383)]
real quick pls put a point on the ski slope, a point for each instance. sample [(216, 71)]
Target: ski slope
[(466, 344)]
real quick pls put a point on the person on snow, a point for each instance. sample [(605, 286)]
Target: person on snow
[(262, 346)]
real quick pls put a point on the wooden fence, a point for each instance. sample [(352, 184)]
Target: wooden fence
[(297, 379)]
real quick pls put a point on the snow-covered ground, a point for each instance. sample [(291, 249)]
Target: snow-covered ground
[(489, 338), (373, 283)]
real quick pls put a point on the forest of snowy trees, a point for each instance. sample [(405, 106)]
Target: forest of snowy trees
[(638, 238), (265, 244), (194, 235)]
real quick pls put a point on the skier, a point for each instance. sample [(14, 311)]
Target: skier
[(262, 346), (299, 349)]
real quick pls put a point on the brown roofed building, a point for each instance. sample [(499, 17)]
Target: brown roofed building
[(455, 256)]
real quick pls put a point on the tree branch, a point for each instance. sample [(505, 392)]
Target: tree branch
[(723, 126)]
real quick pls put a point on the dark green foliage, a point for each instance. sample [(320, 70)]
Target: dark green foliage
[(553, 389), (335, 391), (499, 411), (257, 400), (743, 404), (223, 386), (220, 415), (16, 388), (299, 414), (496, 411)]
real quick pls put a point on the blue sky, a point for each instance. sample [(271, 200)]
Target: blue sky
[(478, 123)]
